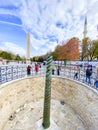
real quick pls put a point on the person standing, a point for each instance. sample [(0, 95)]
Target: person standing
[(28, 70), (96, 82), (58, 70), (53, 69), (88, 74), (76, 75), (36, 68)]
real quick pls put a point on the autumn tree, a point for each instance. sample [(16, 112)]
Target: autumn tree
[(59, 52), (71, 49), (96, 46), (55, 54), (93, 49), (67, 51)]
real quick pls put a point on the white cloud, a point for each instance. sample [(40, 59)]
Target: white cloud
[(14, 48), (5, 22), (41, 18)]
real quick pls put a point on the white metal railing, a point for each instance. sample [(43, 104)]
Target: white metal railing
[(8, 73)]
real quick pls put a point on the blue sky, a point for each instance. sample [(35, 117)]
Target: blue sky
[(49, 22)]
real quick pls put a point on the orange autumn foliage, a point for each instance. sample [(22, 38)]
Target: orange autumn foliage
[(69, 51)]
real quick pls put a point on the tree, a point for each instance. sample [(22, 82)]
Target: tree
[(72, 49), (0, 51), (35, 58), (40, 59), (17, 57), (6, 55), (31, 59), (23, 58), (60, 52), (54, 54), (93, 50), (96, 52), (67, 51), (89, 49)]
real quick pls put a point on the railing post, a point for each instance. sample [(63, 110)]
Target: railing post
[(6, 73), (12, 72)]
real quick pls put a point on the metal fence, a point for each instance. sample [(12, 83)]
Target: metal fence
[(9, 73), (81, 77)]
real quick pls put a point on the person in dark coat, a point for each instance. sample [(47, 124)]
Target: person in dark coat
[(96, 83), (88, 74), (28, 70), (58, 70), (76, 75)]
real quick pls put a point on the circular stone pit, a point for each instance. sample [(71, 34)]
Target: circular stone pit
[(74, 106)]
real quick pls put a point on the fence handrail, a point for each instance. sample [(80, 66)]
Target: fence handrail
[(12, 72)]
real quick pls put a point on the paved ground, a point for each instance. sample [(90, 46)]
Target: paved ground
[(30, 117)]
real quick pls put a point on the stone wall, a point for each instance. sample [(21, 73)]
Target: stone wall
[(81, 98)]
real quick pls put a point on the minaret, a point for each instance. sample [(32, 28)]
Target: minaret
[(28, 49), (85, 28)]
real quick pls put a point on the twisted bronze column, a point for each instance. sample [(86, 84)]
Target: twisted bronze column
[(47, 97)]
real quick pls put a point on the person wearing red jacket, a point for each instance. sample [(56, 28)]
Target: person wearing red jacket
[(36, 68)]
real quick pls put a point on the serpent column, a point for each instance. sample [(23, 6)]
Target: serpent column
[(47, 97)]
